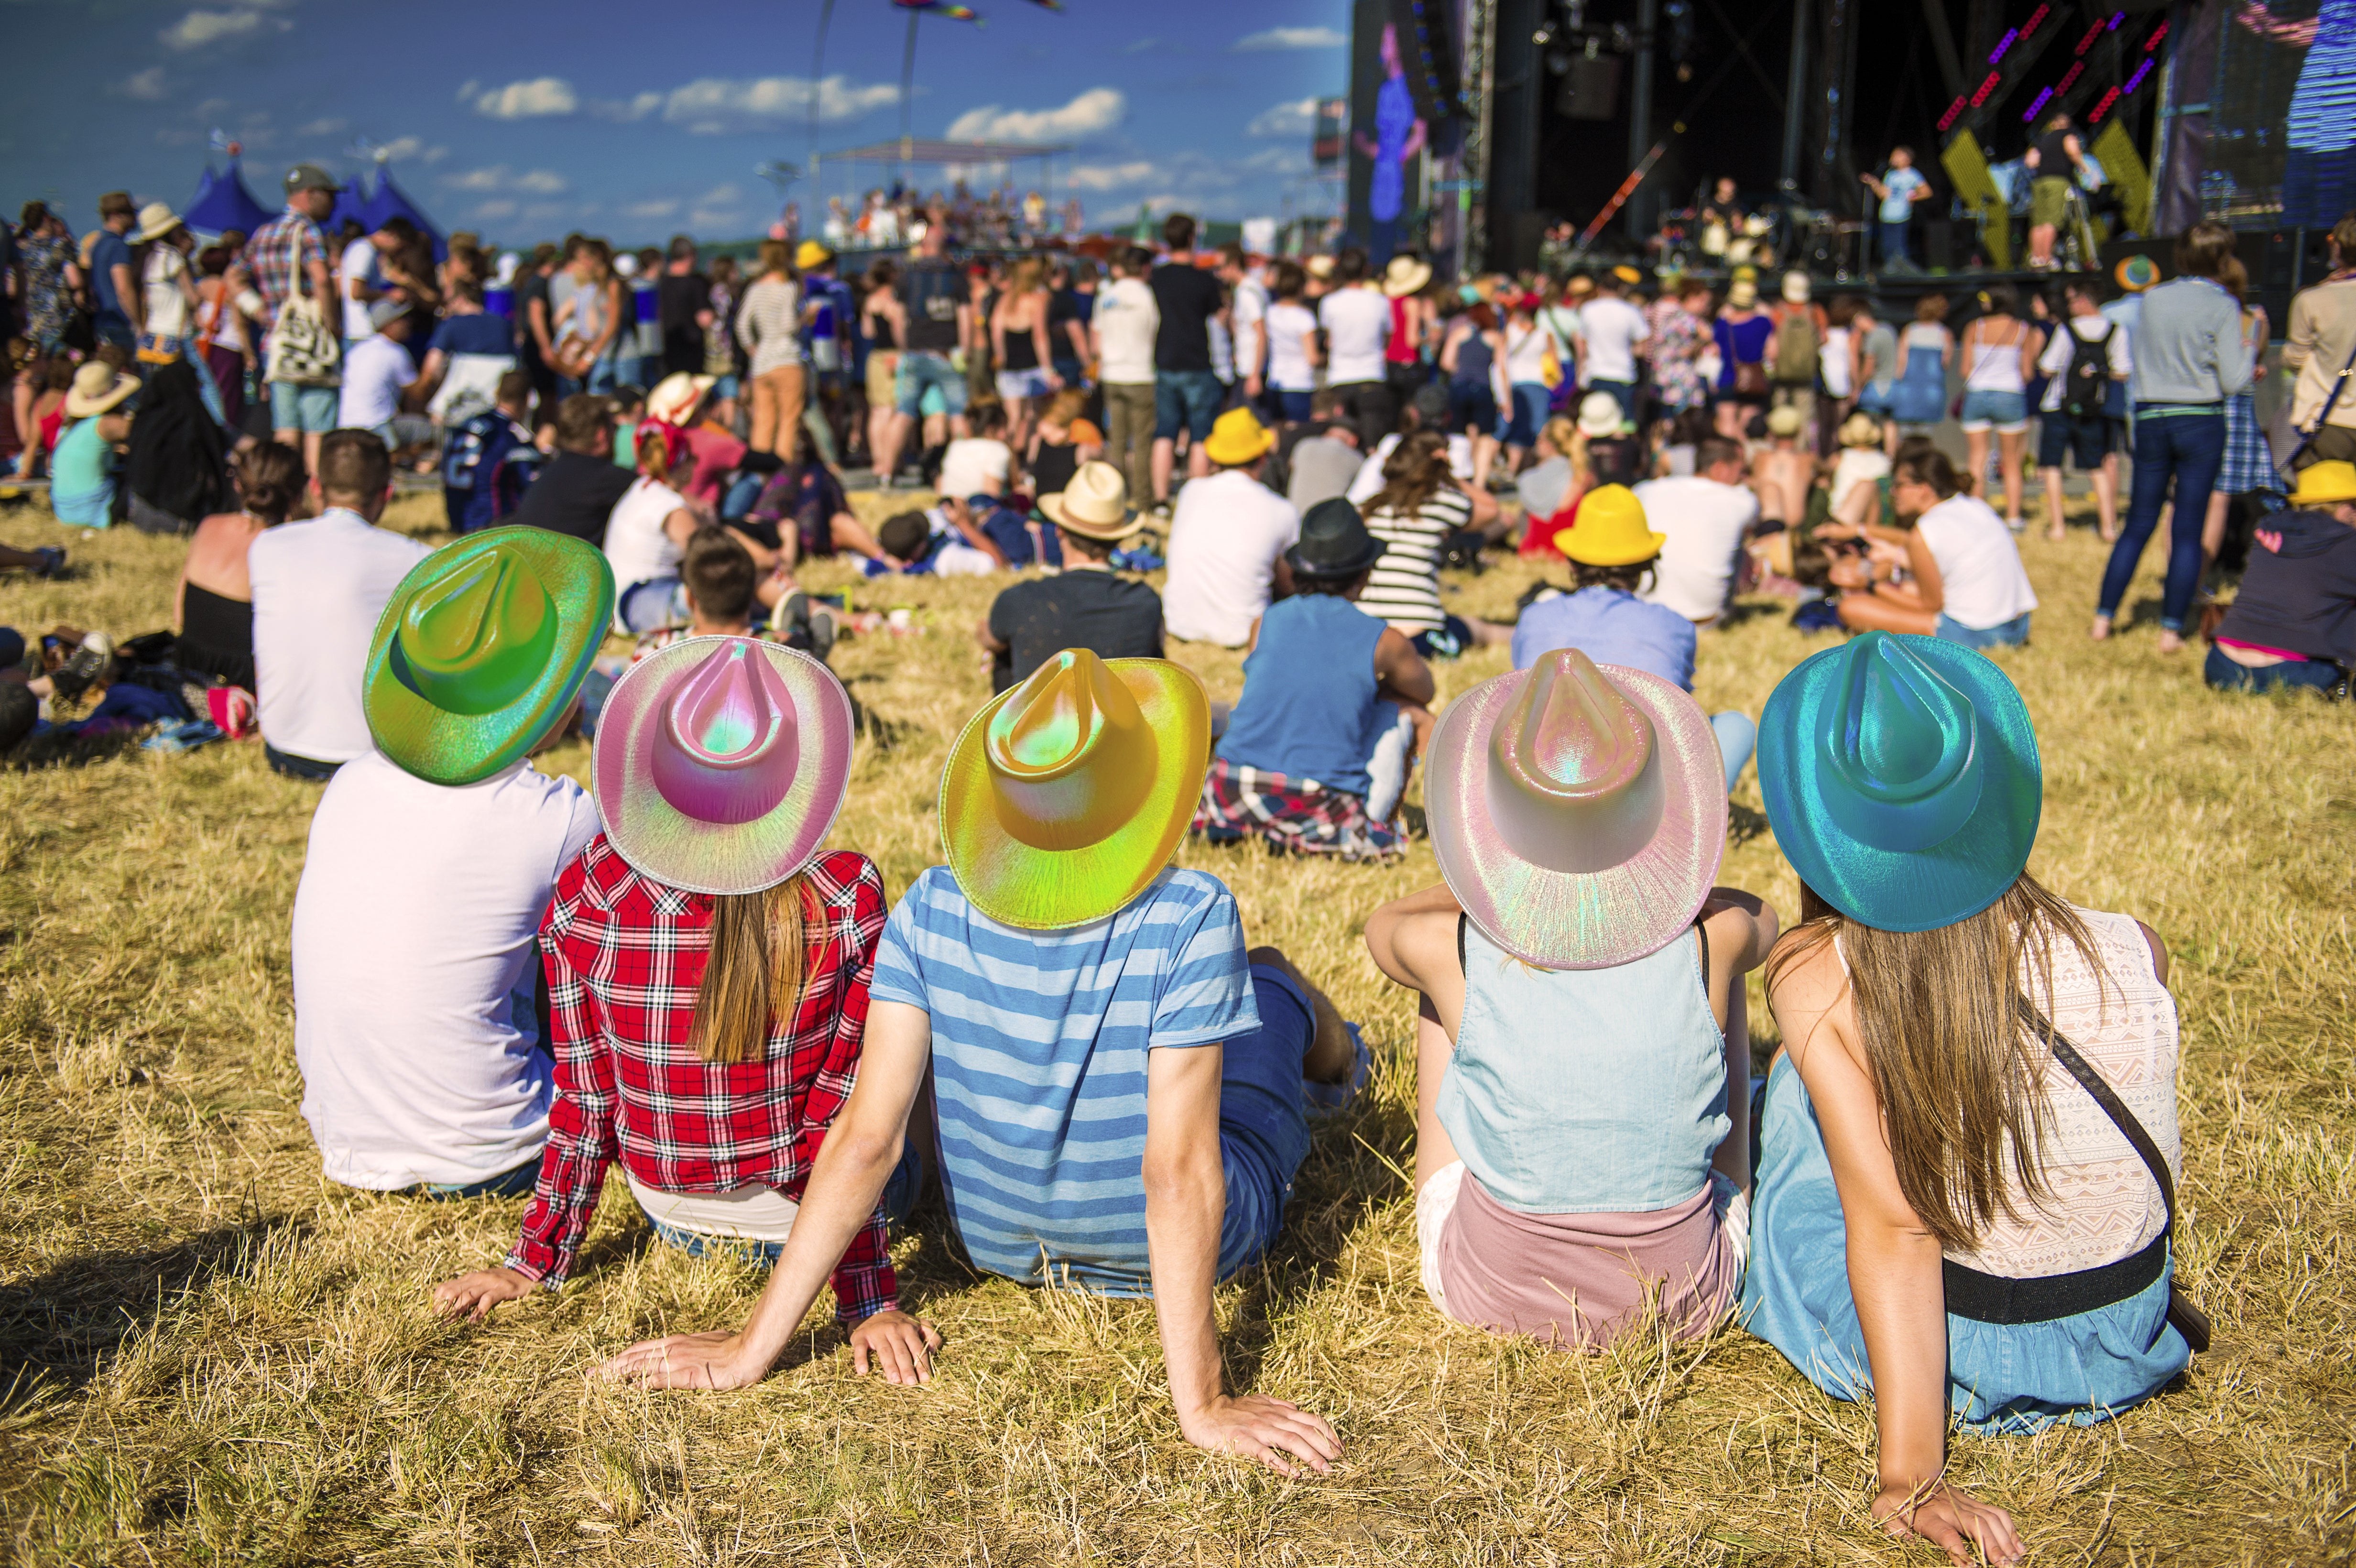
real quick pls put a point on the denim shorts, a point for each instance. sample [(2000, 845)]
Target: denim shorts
[(2087, 440), (2010, 635), (651, 606), (922, 372), (1012, 384), (310, 410), (1188, 401), (2008, 412)]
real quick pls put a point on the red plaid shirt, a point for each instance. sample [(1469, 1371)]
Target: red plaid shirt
[(625, 957)]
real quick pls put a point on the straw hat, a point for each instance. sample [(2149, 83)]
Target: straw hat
[(1319, 267), (1860, 429), (1795, 288), (96, 389), (1094, 505), (1238, 438), (1065, 796), (1742, 294), (1901, 777), (1333, 542), (1600, 416), (675, 397), (1405, 276), (1784, 421), (1578, 810), (2325, 484), (482, 648), (155, 221), (721, 764), (1609, 529)]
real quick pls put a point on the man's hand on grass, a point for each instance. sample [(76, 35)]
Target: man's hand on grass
[(471, 1296), (901, 1345), (1257, 1427)]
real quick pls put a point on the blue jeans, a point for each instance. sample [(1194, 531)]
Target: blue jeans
[(1188, 401), (1263, 1123), (506, 1184), (2314, 675), (2010, 635), (2189, 449), (1293, 407), (1623, 392), (921, 372), (1738, 737), (651, 606), (1893, 243), (289, 765)]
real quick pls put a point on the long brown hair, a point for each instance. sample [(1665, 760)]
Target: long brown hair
[(1954, 1064), (1412, 474), (755, 972)]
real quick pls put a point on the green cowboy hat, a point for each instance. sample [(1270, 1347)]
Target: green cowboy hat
[(482, 648)]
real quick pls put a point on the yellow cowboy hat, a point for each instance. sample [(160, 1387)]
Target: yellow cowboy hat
[(1609, 530), (1238, 438), (1066, 796), (2325, 484)]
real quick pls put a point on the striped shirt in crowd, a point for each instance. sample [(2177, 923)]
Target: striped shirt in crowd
[(1040, 1041), (768, 323), (1405, 587)]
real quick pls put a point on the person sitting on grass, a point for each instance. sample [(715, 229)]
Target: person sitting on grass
[(1087, 605), (84, 467), (1420, 508), (1335, 710), (1613, 553), (2294, 621), (1967, 1146), (1964, 578), (941, 542), (490, 462), (802, 512), (726, 591), (213, 612), (318, 588), (1583, 1057), (431, 858), (708, 966), (651, 525), (1118, 1085), (580, 482), (1228, 538)]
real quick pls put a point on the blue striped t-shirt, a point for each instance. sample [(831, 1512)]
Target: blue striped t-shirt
[(1039, 1047)]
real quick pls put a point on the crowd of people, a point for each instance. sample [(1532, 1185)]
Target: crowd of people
[(1961, 1196)]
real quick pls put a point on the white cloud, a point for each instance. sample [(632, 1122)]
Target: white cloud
[(711, 105), (1291, 38), (200, 28), (542, 95), (327, 127), (626, 109), (1114, 176), (1093, 113), (499, 209), (649, 209), (498, 176), (1297, 117), (402, 147), (541, 182), (147, 86)]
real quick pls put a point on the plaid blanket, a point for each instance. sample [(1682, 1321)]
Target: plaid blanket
[(1239, 801)]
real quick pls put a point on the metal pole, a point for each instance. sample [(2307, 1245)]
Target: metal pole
[(818, 75), (1796, 95), (908, 100), (1640, 111), (1471, 195)]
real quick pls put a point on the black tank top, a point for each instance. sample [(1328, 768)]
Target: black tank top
[(1052, 469), (1021, 349), (217, 638), (879, 331), (2052, 157)]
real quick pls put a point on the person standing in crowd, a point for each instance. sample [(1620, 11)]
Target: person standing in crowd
[(1740, 331), (361, 280), (1227, 539), (1968, 1143), (723, 360), (2087, 358), (1357, 318), (881, 323), (591, 321), (535, 328), (826, 334), (1023, 347), (1187, 395), (1534, 366), (319, 589), (1965, 584), (936, 321), (1406, 278), (1873, 347), (228, 325), (683, 302), (1918, 401), (2249, 462), (1611, 328), (1122, 329), (1999, 354), (1794, 350), (1288, 330), (1249, 297), (1677, 345), (304, 357), (1898, 190), (114, 290), (1086, 604), (47, 278), (2055, 159), (167, 285), (1471, 356), (2318, 343), (2190, 356), (768, 323), (1068, 305)]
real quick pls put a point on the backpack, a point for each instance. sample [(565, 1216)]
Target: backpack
[(1797, 348), (2087, 384)]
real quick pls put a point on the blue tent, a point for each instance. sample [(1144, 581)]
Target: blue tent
[(223, 203), (351, 202), (392, 201)]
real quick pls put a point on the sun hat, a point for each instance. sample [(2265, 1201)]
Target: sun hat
[(308, 176), (385, 312), (720, 762), (1405, 276), (1600, 416), (1094, 505), (1319, 267), (2136, 274), (1786, 421), (1333, 542), (2325, 484), (155, 221), (1066, 796), (1609, 529), (1578, 810), (1742, 294), (1860, 429), (96, 389), (675, 397), (811, 254), (1628, 275), (1795, 288), (1577, 286), (1901, 777), (481, 648), (1238, 438)]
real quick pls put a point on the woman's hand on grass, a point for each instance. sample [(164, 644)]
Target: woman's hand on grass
[(901, 1345), (1257, 1427), (715, 1360), (473, 1295), (1970, 1533)]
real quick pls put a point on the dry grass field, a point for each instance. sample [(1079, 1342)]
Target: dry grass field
[(208, 1354)]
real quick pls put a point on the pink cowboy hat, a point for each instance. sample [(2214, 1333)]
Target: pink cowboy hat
[(1578, 810), (720, 762)]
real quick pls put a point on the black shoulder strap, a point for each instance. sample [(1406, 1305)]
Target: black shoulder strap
[(2108, 1098), (1463, 964), (1701, 929)]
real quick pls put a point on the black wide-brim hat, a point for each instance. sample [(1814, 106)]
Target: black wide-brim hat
[(1333, 542)]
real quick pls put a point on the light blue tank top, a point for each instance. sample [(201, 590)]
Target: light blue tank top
[(1309, 709), (1586, 1091)]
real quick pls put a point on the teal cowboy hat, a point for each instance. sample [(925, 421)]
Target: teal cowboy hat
[(1901, 777)]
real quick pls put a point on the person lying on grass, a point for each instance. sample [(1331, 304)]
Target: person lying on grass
[(1120, 1088), (430, 859), (1951, 1210), (1582, 1131), (707, 976)]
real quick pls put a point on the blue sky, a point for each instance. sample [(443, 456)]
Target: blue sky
[(634, 120)]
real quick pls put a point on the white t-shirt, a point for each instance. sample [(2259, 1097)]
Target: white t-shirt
[(637, 547), (416, 964), (1526, 347), (359, 262), (375, 370), (1705, 522), (1357, 325), (1125, 321), (166, 306), (1225, 538), (1290, 323), (1250, 308), (318, 588), (2059, 351), (1856, 465), (976, 466), (952, 555), (1613, 328), (1370, 472), (1979, 565)]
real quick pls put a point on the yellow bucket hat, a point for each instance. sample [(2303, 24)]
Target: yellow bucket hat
[(1238, 438), (1065, 796), (1611, 531), (2325, 484)]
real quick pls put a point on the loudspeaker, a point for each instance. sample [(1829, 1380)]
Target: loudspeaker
[(1427, 55), (2281, 264), (1521, 234), (1938, 238), (1591, 88)]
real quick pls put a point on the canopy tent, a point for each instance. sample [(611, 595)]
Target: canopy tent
[(351, 202), (223, 203), (392, 201)]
